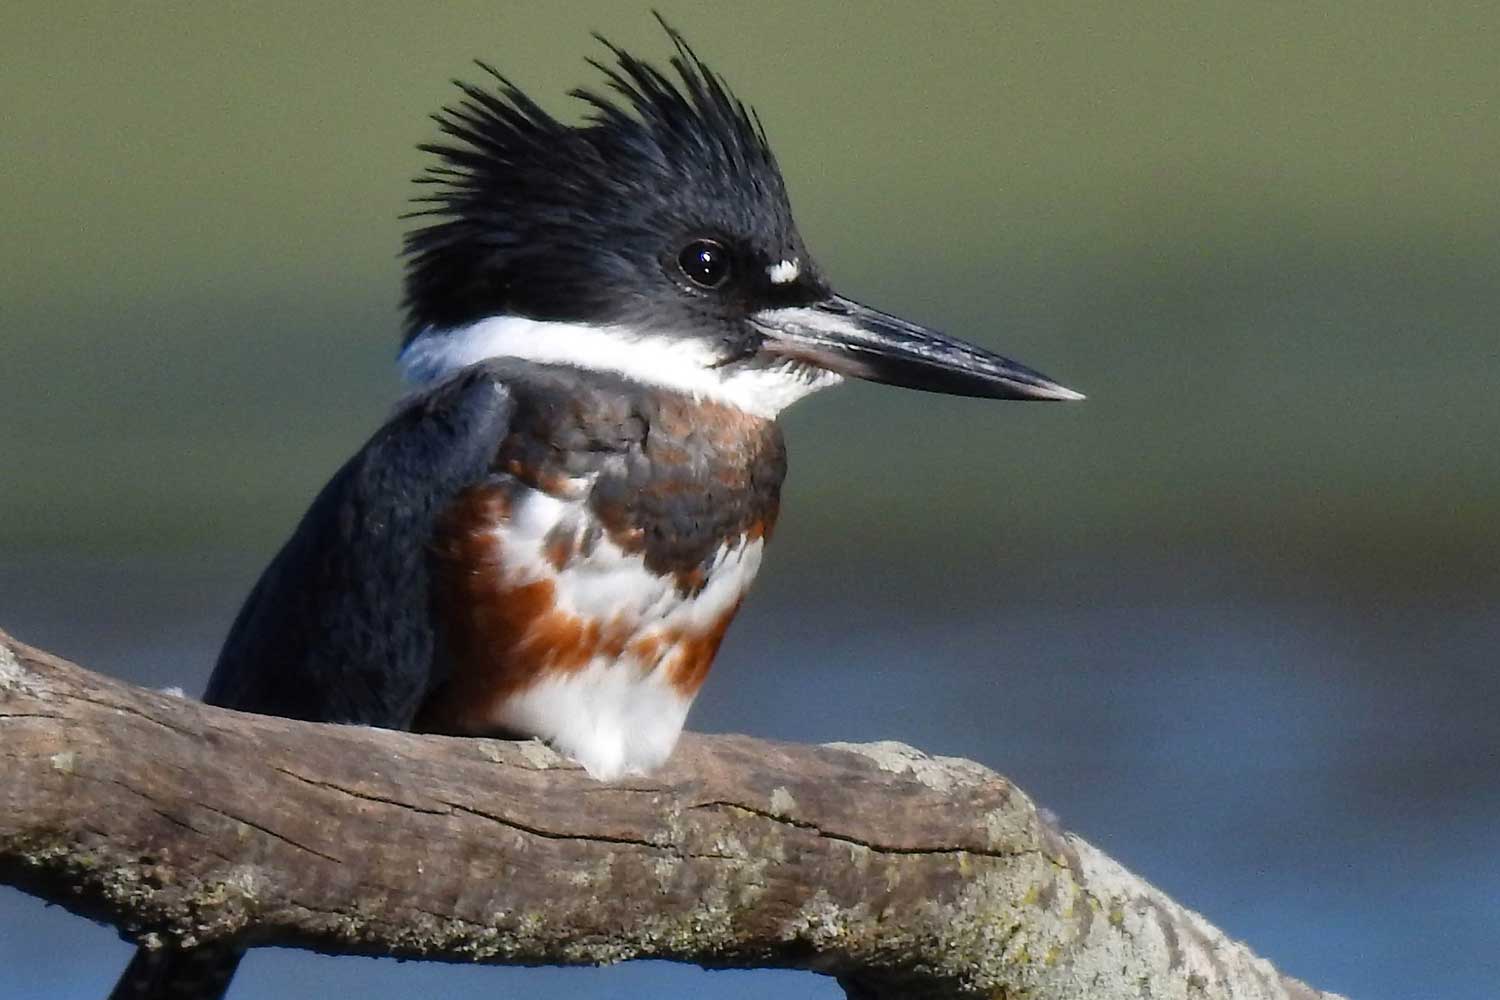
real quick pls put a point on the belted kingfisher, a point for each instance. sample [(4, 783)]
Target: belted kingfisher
[(550, 536)]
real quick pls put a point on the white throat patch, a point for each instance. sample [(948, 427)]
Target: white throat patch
[(681, 364)]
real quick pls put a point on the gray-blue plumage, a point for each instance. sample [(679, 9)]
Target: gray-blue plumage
[(338, 628)]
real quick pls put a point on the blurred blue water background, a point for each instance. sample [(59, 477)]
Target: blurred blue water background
[(1234, 619)]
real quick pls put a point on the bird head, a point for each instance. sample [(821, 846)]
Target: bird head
[(654, 239)]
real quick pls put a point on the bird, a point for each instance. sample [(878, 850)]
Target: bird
[(551, 534)]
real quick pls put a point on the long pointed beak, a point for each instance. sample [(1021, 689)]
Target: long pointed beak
[(843, 336)]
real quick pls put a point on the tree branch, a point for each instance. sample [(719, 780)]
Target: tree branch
[(904, 875)]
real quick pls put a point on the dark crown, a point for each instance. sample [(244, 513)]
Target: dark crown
[(538, 218)]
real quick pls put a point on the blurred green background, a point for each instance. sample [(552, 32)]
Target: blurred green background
[(1264, 239)]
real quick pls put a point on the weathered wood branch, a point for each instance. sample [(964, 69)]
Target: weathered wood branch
[(904, 875)]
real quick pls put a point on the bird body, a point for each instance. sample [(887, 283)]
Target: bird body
[(569, 577), (551, 534)]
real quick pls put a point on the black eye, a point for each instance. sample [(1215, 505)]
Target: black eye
[(705, 263)]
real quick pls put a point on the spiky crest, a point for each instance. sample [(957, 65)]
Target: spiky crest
[(528, 215)]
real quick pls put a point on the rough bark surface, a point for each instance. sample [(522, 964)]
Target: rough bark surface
[(902, 874)]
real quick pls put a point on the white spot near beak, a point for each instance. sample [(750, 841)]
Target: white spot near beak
[(786, 271)]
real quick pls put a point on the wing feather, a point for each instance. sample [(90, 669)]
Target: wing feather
[(338, 629)]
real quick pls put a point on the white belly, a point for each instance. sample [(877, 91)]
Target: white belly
[(618, 711)]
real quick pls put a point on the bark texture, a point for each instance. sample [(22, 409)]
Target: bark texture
[(903, 875)]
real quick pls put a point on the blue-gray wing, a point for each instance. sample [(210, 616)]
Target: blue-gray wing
[(339, 629)]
